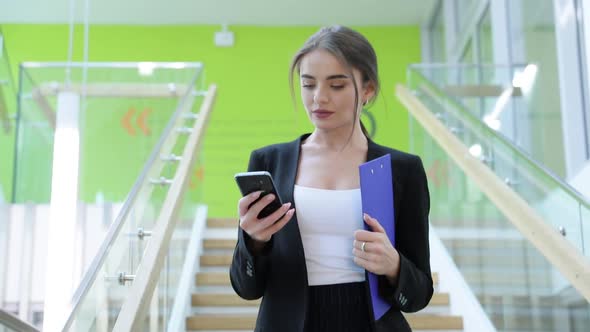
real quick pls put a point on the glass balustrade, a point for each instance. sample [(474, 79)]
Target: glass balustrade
[(517, 287), (555, 201)]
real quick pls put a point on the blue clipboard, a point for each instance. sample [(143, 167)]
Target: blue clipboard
[(377, 201)]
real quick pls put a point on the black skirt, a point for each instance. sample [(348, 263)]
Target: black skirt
[(338, 308)]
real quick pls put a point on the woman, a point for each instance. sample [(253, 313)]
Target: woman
[(308, 260)]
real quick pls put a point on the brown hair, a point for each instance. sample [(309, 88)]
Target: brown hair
[(350, 48)]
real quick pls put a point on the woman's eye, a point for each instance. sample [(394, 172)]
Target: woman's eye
[(338, 87), (308, 86)]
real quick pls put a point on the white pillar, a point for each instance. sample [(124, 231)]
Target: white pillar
[(570, 86), (4, 249), (586, 19), (502, 46), (451, 22), (26, 257), (59, 285)]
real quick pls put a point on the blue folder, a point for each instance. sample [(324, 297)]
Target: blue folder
[(377, 201)]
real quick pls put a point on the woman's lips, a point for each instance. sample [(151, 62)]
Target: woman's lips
[(322, 114)]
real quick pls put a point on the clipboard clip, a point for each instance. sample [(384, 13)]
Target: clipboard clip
[(373, 172)]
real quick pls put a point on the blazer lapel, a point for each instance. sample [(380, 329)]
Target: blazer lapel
[(292, 161)]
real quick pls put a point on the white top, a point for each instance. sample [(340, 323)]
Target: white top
[(327, 222)]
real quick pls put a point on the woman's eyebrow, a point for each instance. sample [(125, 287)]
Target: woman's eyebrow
[(331, 77)]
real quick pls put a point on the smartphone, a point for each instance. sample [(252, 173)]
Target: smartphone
[(249, 182)]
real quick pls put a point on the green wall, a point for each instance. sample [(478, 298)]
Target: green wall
[(253, 107)]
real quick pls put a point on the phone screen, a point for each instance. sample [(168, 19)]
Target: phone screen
[(249, 182)]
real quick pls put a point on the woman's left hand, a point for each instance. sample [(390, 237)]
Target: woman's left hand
[(374, 252)]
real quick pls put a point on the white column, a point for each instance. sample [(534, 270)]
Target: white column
[(4, 246), (586, 19), (467, 32), (451, 22), (572, 105), (59, 285), (502, 45), (26, 257), (425, 46)]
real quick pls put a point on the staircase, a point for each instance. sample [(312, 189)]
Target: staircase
[(216, 307)]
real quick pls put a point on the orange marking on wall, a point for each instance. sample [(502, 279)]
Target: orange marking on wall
[(126, 121), (141, 121)]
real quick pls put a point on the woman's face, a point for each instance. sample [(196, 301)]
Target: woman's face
[(327, 90)]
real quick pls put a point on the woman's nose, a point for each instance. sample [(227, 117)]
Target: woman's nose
[(320, 96)]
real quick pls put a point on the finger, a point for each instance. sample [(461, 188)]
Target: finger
[(373, 223), (275, 216), (245, 202), (367, 265), (367, 236), (368, 256), (277, 226), (261, 204), (359, 245), (263, 224), (361, 262)]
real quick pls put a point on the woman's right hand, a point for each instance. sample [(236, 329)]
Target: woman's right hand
[(261, 230)]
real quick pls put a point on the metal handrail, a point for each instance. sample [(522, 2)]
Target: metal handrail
[(129, 65), (14, 323), (475, 122), (465, 65), (117, 225)]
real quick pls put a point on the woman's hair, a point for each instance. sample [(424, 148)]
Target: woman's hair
[(348, 46)]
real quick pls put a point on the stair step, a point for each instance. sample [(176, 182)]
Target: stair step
[(216, 260), (232, 299), (217, 299), (222, 278), (222, 222), (219, 243), (213, 279), (202, 322)]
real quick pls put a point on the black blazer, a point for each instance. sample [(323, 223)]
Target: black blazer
[(279, 274)]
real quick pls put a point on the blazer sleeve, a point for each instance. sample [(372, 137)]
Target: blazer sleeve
[(414, 287), (248, 271)]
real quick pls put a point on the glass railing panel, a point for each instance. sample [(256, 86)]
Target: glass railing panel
[(9, 322), (124, 109), (516, 101), (107, 282), (123, 113), (159, 314), (103, 302), (555, 201), (585, 216), (4, 328), (33, 157), (517, 287), (7, 124)]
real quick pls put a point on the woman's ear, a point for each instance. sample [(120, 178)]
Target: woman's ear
[(369, 91)]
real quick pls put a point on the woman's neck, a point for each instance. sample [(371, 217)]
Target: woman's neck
[(338, 139)]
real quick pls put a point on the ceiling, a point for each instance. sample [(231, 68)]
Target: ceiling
[(242, 12)]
